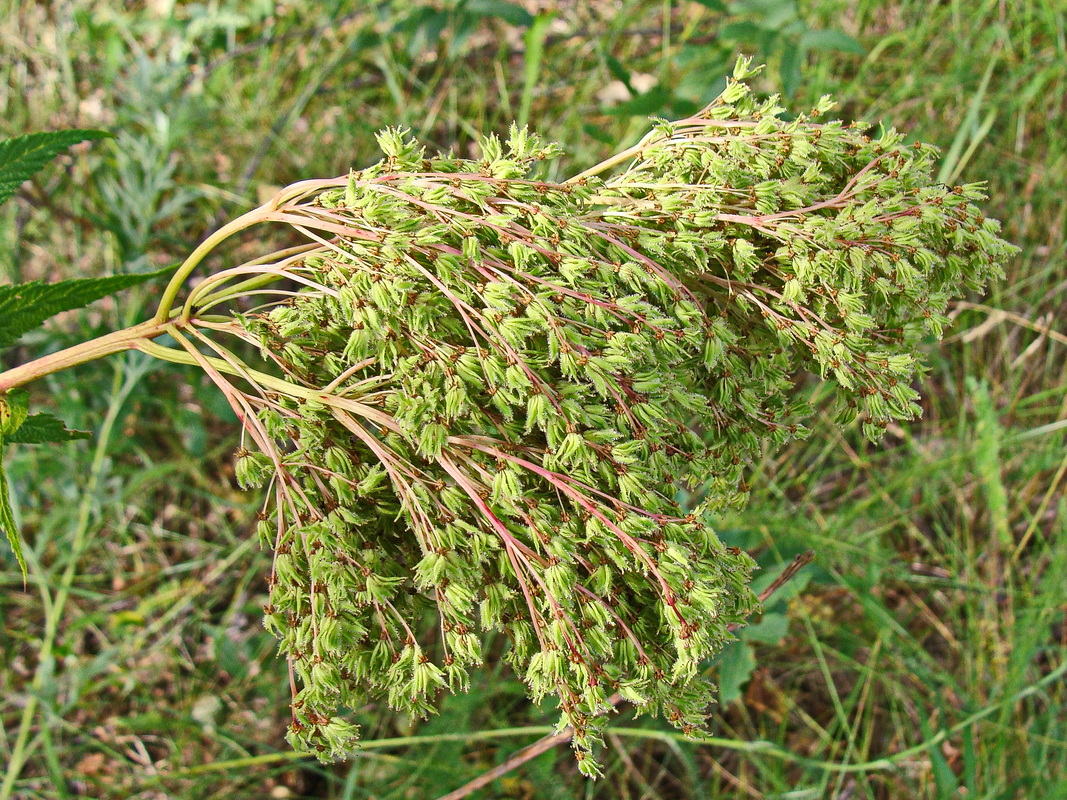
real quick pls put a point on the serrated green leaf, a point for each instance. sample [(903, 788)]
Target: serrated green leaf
[(7, 517), (22, 156), (13, 411), (24, 306), (44, 429)]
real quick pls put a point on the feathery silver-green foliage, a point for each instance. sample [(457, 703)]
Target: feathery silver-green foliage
[(496, 387)]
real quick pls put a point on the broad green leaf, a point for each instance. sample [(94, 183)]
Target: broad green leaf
[(13, 411), (7, 517), (24, 306), (736, 663), (43, 429), (511, 13), (830, 40), (743, 31), (791, 67), (771, 13), (22, 156), (598, 133), (619, 72), (643, 105), (771, 629)]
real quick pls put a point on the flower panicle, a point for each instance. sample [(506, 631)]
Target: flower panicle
[(495, 388)]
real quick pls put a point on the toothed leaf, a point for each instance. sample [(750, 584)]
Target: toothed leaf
[(22, 156), (44, 429), (7, 518), (24, 306)]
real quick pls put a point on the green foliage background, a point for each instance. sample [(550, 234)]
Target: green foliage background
[(922, 655)]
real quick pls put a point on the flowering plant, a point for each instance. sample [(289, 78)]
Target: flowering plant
[(481, 392)]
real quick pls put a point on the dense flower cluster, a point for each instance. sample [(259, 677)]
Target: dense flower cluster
[(496, 386)]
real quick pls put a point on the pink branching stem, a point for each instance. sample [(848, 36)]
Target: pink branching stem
[(629, 633), (842, 197), (348, 373), (443, 615), (234, 329), (403, 622), (388, 458), (488, 445), (501, 344), (239, 402), (375, 415), (627, 411), (524, 552), (538, 531), (675, 284), (465, 484), (281, 528), (293, 194), (442, 179), (423, 525), (513, 230), (497, 341), (384, 626), (464, 309), (513, 546), (281, 272), (630, 543), (293, 691), (441, 211), (311, 604), (250, 422), (238, 366), (303, 222), (535, 615), (508, 270)]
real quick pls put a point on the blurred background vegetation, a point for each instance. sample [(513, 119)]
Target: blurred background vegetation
[(921, 656)]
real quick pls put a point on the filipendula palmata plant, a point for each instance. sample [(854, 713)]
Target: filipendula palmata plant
[(481, 393)]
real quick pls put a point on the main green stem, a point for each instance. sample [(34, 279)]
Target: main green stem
[(127, 339)]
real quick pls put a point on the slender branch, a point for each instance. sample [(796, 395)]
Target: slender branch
[(788, 574), (170, 293), (528, 753)]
